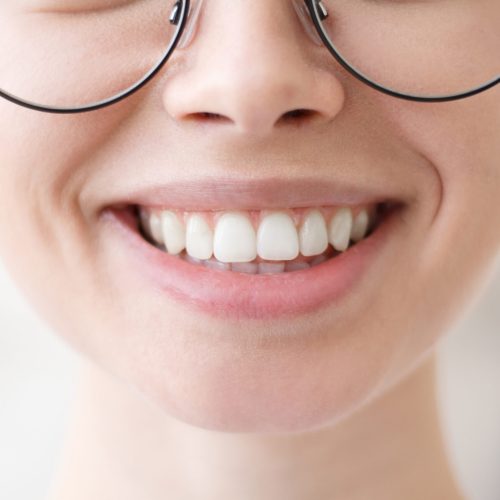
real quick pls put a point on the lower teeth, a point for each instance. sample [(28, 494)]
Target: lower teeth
[(264, 267)]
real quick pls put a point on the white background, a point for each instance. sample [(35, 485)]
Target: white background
[(38, 374)]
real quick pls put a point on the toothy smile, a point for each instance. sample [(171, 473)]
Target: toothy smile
[(259, 241)]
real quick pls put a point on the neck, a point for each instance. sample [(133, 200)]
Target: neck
[(119, 446)]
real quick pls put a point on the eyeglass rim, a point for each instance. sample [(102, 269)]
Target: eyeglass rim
[(184, 5), (314, 10)]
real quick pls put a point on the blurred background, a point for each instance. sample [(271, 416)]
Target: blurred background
[(38, 375)]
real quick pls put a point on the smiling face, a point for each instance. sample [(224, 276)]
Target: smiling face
[(231, 130)]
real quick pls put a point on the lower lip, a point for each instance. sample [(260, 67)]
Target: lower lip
[(227, 294)]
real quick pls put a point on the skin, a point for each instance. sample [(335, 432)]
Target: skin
[(171, 403)]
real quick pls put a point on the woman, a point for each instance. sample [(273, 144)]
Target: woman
[(256, 221)]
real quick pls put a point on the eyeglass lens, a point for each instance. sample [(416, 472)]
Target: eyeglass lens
[(75, 58)]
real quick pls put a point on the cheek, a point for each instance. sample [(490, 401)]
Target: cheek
[(44, 162), (457, 254), (42, 231)]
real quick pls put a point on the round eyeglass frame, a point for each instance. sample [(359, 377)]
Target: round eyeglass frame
[(179, 17)]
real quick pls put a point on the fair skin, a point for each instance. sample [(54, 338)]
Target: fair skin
[(336, 403)]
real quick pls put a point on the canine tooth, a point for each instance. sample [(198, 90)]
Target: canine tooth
[(155, 227), (245, 267), (313, 236), (174, 232), (339, 229), (271, 267), (277, 237), (360, 226), (199, 237), (234, 238)]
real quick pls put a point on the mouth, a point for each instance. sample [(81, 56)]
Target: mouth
[(255, 264), (258, 241)]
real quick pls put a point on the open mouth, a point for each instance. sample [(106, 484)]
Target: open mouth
[(257, 264), (260, 241)]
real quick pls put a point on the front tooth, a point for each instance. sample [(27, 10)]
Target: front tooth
[(245, 267), (234, 238), (313, 235), (215, 264), (174, 232), (339, 229), (296, 266), (277, 237), (318, 260), (199, 237), (193, 260), (271, 267), (360, 226)]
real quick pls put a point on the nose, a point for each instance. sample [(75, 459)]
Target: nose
[(252, 66)]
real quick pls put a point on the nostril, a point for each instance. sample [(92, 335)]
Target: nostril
[(297, 115), (206, 116)]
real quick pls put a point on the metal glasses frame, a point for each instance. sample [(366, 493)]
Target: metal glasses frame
[(319, 13), (179, 18)]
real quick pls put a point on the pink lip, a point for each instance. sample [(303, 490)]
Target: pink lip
[(226, 294), (219, 193)]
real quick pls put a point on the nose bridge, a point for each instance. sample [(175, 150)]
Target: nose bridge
[(263, 33), (299, 7), (242, 29), (248, 63)]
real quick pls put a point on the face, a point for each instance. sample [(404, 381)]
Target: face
[(253, 117)]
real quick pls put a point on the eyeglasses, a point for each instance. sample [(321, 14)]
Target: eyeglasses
[(72, 59)]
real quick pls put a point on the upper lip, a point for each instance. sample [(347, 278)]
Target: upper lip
[(223, 193)]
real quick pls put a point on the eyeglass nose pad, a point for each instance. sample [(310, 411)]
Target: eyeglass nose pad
[(306, 21), (191, 24)]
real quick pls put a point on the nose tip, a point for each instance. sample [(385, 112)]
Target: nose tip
[(254, 75), (250, 103)]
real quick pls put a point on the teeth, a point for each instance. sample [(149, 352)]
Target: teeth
[(199, 237), (277, 237), (193, 260), (174, 232), (240, 243), (215, 264), (339, 230), (318, 260), (144, 218), (245, 267), (234, 238), (155, 228), (313, 236), (271, 267), (360, 226), (297, 266)]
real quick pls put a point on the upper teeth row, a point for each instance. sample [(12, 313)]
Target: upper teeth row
[(276, 237)]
